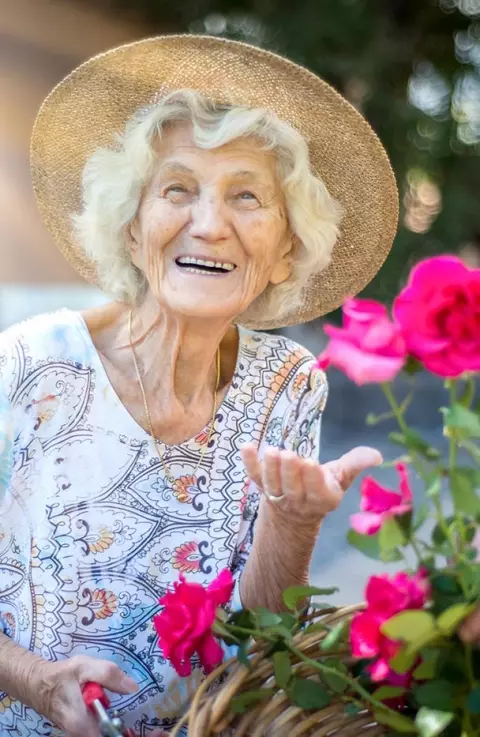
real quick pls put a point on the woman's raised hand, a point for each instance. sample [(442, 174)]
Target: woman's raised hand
[(303, 490), (55, 690)]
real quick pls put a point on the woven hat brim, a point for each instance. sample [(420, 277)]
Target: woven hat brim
[(95, 101)]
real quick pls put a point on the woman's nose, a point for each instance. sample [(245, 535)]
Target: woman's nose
[(209, 219)]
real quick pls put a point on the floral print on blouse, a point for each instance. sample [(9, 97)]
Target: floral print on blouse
[(92, 532)]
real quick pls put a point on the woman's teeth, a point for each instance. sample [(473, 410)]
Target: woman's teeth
[(203, 266)]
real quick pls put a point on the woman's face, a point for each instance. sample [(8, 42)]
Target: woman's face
[(211, 231)]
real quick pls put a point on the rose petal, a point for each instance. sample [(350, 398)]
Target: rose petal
[(365, 635), (209, 652), (361, 367), (220, 590), (366, 523)]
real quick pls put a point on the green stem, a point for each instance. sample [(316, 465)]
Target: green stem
[(396, 409), (416, 549), (321, 668), (398, 414), (452, 459)]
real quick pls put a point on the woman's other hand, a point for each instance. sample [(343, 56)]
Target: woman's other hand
[(302, 490), (55, 691)]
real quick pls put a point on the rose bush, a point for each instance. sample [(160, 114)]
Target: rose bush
[(412, 671)]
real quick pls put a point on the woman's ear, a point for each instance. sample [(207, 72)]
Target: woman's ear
[(133, 242), (283, 268)]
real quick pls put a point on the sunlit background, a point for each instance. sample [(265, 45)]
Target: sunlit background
[(412, 67)]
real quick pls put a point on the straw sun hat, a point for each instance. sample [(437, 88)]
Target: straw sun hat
[(95, 101)]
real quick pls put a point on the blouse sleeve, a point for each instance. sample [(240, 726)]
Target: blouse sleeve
[(6, 419), (294, 425), (6, 447)]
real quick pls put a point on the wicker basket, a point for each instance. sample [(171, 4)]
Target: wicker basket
[(210, 712)]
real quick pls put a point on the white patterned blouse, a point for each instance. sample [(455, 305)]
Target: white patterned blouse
[(91, 531)]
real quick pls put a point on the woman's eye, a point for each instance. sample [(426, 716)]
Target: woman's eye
[(247, 197), (176, 189)]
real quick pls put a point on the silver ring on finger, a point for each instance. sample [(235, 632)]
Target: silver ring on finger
[(274, 497)]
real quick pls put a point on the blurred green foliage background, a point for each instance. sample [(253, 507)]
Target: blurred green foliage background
[(412, 67)]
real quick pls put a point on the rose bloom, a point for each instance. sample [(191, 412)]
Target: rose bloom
[(439, 312), (386, 597), (369, 348), (185, 624), (379, 504)]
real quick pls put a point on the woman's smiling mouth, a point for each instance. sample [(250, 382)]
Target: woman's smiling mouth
[(205, 267)]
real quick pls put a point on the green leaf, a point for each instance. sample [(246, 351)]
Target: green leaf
[(391, 535), (451, 664), (288, 620), (308, 694), (434, 487), (388, 692), (427, 668), (438, 535), (446, 584), (335, 682), (462, 485), (369, 545), (242, 655), (245, 619), (431, 722), (468, 394), (282, 668), (463, 422), (266, 618), (294, 594), (449, 619), (223, 632), (421, 516), (403, 661), (395, 720), (412, 440), (415, 627), (241, 703), (436, 695), (352, 709), (334, 636), (473, 701), (281, 631)]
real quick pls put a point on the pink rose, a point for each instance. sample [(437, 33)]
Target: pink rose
[(379, 504), (185, 624), (369, 348), (386, 597), (439, 312)]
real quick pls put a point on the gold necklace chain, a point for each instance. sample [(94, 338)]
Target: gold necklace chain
[(156, 442)]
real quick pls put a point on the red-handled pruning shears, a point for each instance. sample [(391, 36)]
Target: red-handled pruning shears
[(97, 701)]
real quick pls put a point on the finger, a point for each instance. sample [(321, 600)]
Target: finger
[(158, 733), (106, 673), (253, 468), (316, 484), (470, 629), (348, 466), (290, 473), (271, 472)]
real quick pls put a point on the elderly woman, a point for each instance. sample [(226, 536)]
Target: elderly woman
[(158, 435)]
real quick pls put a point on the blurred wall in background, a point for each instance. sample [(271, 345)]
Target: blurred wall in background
[(40, 42)]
